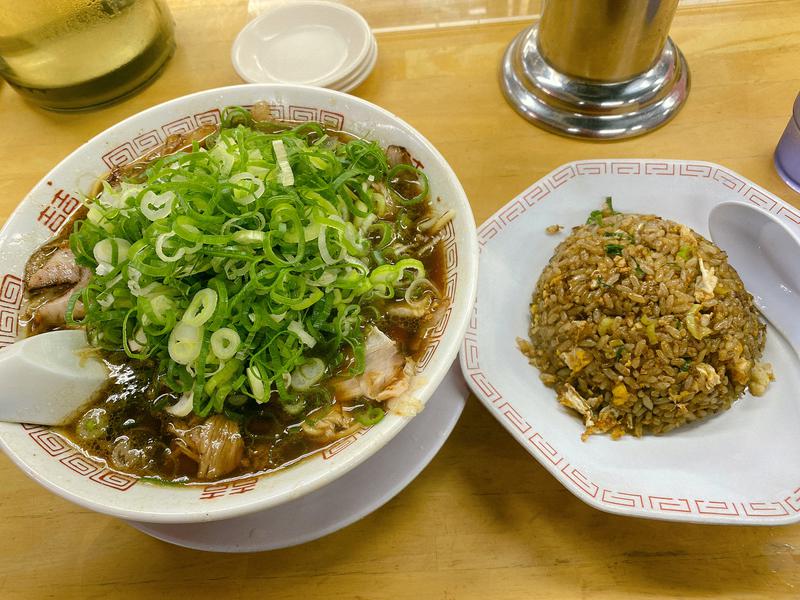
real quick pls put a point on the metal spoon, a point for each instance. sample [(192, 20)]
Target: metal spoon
[(47, 378), (765, 253)]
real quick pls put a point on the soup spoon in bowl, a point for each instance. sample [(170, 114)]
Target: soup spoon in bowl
[(764, 251), (46, 379)]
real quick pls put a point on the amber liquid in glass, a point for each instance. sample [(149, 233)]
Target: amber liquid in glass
[(73, 54)]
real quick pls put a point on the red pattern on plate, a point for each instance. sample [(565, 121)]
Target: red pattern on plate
[(787, 213), (535, 194), (667, 504), (758, 198), (626, 168), (728, 180), (575, 478), (11, 291), (717, 507), (694, 170), (591, 168), (623, 499), (561, 176), (513, 211), (793, 500), (513, 417), (764, 509), (580, 480), (655, 168), (545, 449)]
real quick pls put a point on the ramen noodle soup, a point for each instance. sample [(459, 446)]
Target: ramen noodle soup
[(258, 290)]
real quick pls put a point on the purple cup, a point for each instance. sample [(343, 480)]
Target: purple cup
[(787, 154)]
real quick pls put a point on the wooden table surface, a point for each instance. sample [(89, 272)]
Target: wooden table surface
[(484, 520)]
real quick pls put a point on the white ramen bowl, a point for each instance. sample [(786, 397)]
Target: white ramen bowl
[(46, 457)]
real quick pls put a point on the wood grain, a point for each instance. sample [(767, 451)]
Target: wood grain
[(484, 520)]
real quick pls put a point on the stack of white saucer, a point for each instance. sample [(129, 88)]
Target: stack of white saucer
[(310, 42)]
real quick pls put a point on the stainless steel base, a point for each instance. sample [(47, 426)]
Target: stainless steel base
[(590, 109)]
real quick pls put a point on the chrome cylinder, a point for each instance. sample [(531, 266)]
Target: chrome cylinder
[(597, 68)]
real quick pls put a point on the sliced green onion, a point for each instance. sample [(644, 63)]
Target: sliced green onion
[(183, 406), (225, 342), (308, 374), (256, 384), (159, 247), (184, 343), (241, 267), (156, 206), (112, 250), (297, 328), (201, 308), (369, 417), (287, 177), (422, 180)]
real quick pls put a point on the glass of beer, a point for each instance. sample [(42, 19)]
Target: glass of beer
[(77, 54)]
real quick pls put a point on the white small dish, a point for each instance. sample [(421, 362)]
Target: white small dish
[(358, 77), (311, 42), (741, 466), (345, 501)]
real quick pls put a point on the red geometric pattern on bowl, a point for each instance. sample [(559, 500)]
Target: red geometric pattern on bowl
[(130, 150), (80, 464), (11, 291), (10, 301), (617, 499), (448, 239), (114, 480), (57, 446), (228, 488), (342, 444)]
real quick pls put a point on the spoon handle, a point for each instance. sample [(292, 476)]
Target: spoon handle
[(46, 379)]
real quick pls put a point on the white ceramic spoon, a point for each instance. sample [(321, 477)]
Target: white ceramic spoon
[(46, 379), (766, 254)]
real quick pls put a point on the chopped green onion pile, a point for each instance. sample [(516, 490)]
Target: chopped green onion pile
[(246, 268)]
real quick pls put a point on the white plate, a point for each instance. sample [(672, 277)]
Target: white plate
[(739, 467), (356, 79), (310, 42), (341, 503)]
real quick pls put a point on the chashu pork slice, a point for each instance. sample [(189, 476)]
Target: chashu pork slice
[(216, 445), (59, 269), (385, 374)]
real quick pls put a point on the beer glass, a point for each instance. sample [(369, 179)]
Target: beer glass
[(76, 54)]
